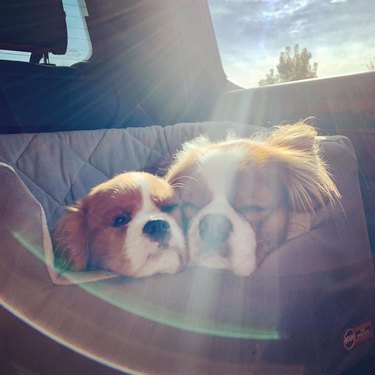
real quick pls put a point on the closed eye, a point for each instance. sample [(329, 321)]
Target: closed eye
[(190, 206), (121, 220), (250, 209), (168, 208)]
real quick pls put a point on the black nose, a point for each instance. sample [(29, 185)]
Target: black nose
[(215, 229), (157, 229)]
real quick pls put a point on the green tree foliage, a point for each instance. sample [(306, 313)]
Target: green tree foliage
[(293, 66)]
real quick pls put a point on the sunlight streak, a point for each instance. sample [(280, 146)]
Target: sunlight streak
[(199, 316)]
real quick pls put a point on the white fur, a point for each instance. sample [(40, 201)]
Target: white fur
[(145, 256), (218, 169)]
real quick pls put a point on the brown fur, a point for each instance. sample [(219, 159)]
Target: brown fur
[(282, 172), (86, 238)]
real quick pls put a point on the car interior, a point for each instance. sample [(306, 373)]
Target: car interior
[(153, 80)]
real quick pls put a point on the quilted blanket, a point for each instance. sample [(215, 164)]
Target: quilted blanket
[(59, 168), (289, 311)]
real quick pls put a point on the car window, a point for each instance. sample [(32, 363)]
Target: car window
[(79, 45), (338, 36)]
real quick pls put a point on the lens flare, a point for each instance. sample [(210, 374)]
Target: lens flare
[(197, 314)]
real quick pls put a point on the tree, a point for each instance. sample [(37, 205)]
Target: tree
[(292, 67), (371, 64), (270, 79)]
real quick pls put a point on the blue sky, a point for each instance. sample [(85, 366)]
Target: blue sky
[(340, 34)]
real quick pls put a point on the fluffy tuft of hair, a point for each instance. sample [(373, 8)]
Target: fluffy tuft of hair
[(294, 147), (309, 183), (185, 158)]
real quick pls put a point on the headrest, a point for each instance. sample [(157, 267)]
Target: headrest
[(35, 26)]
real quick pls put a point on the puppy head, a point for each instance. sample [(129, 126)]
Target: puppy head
[(122, 225), (237, 195)]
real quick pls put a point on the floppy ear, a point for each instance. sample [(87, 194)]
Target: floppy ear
[(308, 181), (298, 136), (71, 241)]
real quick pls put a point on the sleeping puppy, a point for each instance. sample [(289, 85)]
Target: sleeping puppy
[(237, 196), (124, 226)]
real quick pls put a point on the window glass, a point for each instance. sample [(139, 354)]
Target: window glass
[(251, 34), (79, 45)]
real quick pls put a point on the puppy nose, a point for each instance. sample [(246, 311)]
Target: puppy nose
[(215, 228), (157, 229)]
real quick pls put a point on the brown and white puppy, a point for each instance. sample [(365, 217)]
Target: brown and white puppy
[(237, 196), (123, 225)]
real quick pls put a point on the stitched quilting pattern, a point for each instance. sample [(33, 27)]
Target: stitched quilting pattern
[(59, 168)]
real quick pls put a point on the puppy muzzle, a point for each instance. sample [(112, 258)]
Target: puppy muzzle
[(214, 231)]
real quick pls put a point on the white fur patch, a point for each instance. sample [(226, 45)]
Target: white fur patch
[(218, 169), (145, 255)]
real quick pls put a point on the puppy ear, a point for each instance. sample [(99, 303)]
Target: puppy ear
[(71, 241), (299, 136), (308, 180)]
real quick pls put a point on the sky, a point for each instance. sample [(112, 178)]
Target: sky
[(340, 34)]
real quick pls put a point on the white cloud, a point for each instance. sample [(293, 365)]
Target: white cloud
[(342, 59), (340, 38), (297, 28), (285, 10), (220, 10)]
